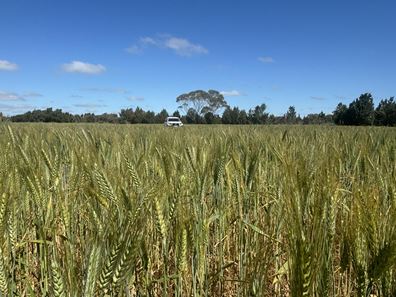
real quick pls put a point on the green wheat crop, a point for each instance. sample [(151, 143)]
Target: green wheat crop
[(121, 210)]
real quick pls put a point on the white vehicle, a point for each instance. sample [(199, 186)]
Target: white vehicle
[(173, 122)]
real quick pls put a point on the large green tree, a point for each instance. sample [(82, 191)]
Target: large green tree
[(361, 111), (291, 115), (201, 101), (340, 113), (385, 113), (258, 114)]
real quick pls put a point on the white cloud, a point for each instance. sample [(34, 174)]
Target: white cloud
[(15, 109), (89, 105), (340, 97), (231, 93), (319, 98), (7, 66), (32, 94), (82, 67), (106, 90), (9, 96), (12, 96), (148, 41), (134, 49), (266, 60), (184, 47), (180, 46), (135, 98)]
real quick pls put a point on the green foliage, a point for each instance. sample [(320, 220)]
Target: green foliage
[(359, 113), (201, 101), (291, 115), (385, 113), (202, 108)]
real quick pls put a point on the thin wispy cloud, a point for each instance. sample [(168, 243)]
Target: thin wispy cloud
[(184, 47), (319, 98), (180, 46), (32, 95), (10, 96), (8, 66), (134, 49), (340, 97), (14, 109), (148, 41), (141, 45), (106, 90), (89, 105), (83, 67), (135, 98), (231, 93), (266, 60)]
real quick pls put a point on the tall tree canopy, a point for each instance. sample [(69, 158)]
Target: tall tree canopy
[(340, 113), (360, 112), (385, 113), (258, 114), (201, 101), (291, 115)]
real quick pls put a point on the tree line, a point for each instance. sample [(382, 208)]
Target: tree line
[(200, 107)]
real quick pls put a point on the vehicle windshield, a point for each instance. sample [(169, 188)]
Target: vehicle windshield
[(173, 120)]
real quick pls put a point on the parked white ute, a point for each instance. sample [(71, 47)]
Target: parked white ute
[(173, 122)]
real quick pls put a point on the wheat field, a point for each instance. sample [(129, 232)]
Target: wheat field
[(122, 210)]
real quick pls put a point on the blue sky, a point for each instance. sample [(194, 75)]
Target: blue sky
[(101, 56)]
